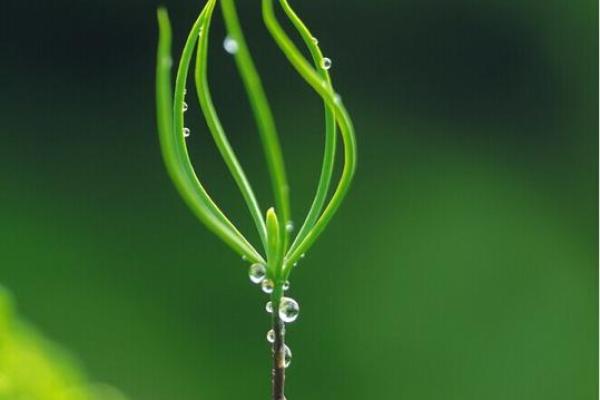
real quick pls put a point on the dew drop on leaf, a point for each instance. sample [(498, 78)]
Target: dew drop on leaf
[(186, 132), (269, 307), (230, 45), (326, 63)]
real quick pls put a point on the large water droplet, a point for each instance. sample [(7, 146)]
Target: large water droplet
[(271, 336), (230, 45), (257, 273), (288, 309), (269, 307), (287, 356), (186, 132), (267, 286), (326, 63)]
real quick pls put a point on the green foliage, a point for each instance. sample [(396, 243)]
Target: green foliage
[(31, 367), (280, 250)]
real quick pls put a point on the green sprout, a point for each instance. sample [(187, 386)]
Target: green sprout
[(273, 267)]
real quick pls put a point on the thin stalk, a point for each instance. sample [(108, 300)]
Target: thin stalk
[(263, 115), (278, 373)]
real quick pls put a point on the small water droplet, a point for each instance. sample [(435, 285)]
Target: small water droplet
[(186, 132), (286, 286), (337, 99), (269, 307), (288, 309), (244, 258), (326, 63), (271, 336), (289, 226), (287, 356), (302, 255), (295, 264), (230, 45), (185, 106), (184, 92), (257, 273), (315, 40), (267, 286)]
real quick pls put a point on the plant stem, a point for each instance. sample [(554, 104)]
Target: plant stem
[(278, 345)]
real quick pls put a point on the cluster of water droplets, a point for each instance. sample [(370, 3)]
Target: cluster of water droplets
[(288, 309)]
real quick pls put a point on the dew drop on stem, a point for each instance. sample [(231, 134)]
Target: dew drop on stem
[(288, 309), (271, 336), (267, 286)]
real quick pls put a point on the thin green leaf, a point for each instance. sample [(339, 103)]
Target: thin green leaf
[(218, 132), (175, 152), (263, 116), (343, 119)]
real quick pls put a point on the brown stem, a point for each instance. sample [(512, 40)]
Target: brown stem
[(278, 347)]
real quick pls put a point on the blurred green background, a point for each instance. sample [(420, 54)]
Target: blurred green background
[(463, 264)]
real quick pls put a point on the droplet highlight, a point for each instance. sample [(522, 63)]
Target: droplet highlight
[(257, 273), (315, 40), (288, 309), (186, 132), (230, 45), (185, 106), (269, 307)]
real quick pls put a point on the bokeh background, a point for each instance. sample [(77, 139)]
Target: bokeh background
[(463, 264)]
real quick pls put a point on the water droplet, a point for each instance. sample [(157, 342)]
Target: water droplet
[(271, 336), (337, 99), (326, 63), (288, 309), (315, 40), (186, 132), (184, 92), (267, 286), (244, 258), (289, 226), (257, 273), (302, 255), (295, 264), (286, 286), (287, 356), (269, 307), (185, 106), (230, 45)]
